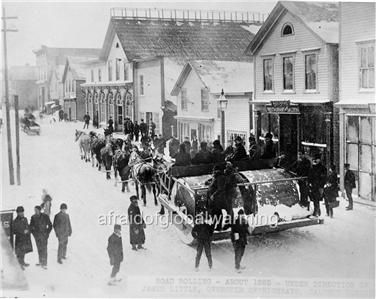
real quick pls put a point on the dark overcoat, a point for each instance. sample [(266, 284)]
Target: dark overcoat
[(115, 249), (136, 226), (21, 231), (62, 226)]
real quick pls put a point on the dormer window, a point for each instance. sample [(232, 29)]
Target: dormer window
[(287, 29), (117, 45)]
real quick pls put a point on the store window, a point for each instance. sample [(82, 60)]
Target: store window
[(268, 74), (99, 75), (117, 69), (204, 100), (109, 66), (288, 73), (126, 71), (142, 90), (92, 76), (311, 72), (367, 66)]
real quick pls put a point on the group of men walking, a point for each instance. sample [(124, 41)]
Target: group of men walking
[(40, 227)]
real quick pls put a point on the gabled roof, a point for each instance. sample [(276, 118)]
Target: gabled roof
[(60, 54), (76, 67), (23, 72), (169, 38), (321, 18), (231, 76)]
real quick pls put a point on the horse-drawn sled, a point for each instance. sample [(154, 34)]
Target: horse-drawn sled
[(29, 126), (269, 197)]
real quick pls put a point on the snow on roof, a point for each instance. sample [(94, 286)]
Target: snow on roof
[(251, 28), (231, 76)]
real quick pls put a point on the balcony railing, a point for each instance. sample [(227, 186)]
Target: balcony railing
[(247, 17)]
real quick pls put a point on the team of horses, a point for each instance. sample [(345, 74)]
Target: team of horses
[(121, 157)]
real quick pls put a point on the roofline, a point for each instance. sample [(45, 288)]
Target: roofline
[(182, 77)]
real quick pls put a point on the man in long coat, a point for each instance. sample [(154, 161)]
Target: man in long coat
[(239, 232), (202, 232), (317, 178), (115, 252), (40, 227), (20, 228), (239, 152), (136, 225), (63, 230)]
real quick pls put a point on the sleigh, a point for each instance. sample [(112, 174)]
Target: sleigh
[(269, 197), (30, 127)]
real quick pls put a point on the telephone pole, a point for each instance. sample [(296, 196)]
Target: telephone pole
[(6, 99)]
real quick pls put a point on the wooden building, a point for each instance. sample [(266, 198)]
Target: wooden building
[(296, 78)]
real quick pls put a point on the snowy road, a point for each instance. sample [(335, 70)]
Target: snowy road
[(342, 248)]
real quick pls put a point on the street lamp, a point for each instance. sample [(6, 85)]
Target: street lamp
[(223, 102)]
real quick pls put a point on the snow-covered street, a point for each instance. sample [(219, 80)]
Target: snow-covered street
[(341, 248)]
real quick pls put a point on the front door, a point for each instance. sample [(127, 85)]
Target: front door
[(288, 130), (70, 114)]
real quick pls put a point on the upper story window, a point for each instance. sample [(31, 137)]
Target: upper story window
[(288, 73), (73, 86), (287, 29), (117, 45), (99, 75), (268, 74), (117, 69), (204, 100), (109, 66), (126, 71), (142, 91), (310, 71), (92, 75), (367, 66), (184, 99)]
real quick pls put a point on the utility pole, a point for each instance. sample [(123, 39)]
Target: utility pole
[(17, 120), (6, 100)]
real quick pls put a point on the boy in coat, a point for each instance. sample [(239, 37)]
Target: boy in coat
[(202, 232), (40, 227), (136, 225), (349, 185), (20, 228), (63, 230), (115, 252), (239, 232)]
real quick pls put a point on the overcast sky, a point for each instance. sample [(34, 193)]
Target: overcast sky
[(84, 23)]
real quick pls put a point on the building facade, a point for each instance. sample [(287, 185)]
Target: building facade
[(198, 90), (296, 78), (357, 96)]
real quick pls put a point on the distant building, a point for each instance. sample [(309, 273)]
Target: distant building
[(143, 54), (73, 97), (50, 63), (198, 89), (296, 78), (22, 82), (357, 95)]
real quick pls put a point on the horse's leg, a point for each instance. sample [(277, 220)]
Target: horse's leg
[(143, 193), (155, 195), (137, 192)]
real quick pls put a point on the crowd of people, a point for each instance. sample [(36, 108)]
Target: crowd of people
[(40, 227)]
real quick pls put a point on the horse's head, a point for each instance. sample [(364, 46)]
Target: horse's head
[(77, 135)]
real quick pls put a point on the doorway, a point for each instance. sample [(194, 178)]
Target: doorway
[(288, 139)]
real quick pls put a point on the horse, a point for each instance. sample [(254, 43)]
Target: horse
[(107, 153), (97, 143), (144, 174), (121, 167), (84, 141)]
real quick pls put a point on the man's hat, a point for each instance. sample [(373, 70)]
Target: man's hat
[(269, 135), (238, 138), (38, 208), (63, 206), (20, 209), (133, 197), (117, 226), (347, 165)]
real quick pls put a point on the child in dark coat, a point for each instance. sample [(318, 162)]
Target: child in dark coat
[(115, 252)]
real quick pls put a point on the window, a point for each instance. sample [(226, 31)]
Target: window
[(109, 65), (92, 75), (288, 73), (142, 85), (117, 69), (268, 74), (287, 29), (126, 71), (184, 99), (311, 72), (367, 66), (204, 100), (99, 75), (117, 45)]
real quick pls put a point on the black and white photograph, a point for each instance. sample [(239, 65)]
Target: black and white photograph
[(175, 149)]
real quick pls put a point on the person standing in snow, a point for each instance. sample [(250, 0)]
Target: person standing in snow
[(202, 232), (86, 120), (136, 225), (40, 227), (115, 252), (317, 179), (63, 230), (349, 185), (239, 232), (46, 202), (20, 228)]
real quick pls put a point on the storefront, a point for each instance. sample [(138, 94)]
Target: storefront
[(297, 126), (202, 129)]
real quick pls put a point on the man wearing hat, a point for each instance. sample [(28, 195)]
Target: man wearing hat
[(63, 230), (317, 178), (349, 185), (269, 148), (40, 227), (204, 156), (20, 228), (239, 232), (115, 252), (239, 151), (136, 225)]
